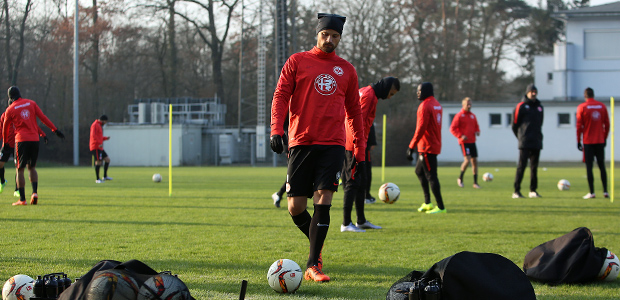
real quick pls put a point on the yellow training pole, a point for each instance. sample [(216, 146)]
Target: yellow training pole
[(383, 150), (170, 150), (612, 151)]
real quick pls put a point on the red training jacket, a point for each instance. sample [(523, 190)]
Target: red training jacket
[(96, 136), (11, 137), (368, 102), (317, 88), (592, 122), (465, 123), (23, 114), (428, 127)]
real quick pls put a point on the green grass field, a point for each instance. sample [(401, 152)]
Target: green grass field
[(220, 227)]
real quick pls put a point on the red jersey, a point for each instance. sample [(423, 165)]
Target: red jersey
[(592, 122), (427, 135), (368, 102), (317, 89), (23, 114), (465, 123), (96, 136), (11, 138)]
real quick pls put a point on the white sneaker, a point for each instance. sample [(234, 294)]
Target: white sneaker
[(459, 182), (589, 196), (370, 200), (99, 181), (107, 178), (350, 228), (367, 225), (276, 199), (535, 195)]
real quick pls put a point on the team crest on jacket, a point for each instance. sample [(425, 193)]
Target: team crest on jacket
[(338, 71), (596, 115), (25, 114), (325, 84)]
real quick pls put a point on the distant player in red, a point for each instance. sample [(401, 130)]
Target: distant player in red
[(10, 150), (23, 115), (593, 125), (315, 90), (354, 179), (465, 128), (427, 138), (96, 148)]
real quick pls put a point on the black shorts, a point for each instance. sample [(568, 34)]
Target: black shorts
[(6, 153), (99, 154), (469, 149), (312, 168), (27, 153)]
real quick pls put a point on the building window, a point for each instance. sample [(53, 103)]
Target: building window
[(508, 119), (549, 76), (594, 38), (495, 120), (451, 117), (563, 119)]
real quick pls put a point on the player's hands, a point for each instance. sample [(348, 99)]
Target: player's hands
[(60, 135), (463, 137), (45, 140), (4, 145), (355, 173), (410, 154), (579, 147), (277, 143)]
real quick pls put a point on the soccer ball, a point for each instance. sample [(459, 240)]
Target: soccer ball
[(611, 267), (563, 185), (164, 286), (389, 193), (156, 177), (487, 177), (18, 287), (284, 276), (112, 285)]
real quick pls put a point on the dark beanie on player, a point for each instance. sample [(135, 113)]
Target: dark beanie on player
[(382, 87), (530, 87), (14, 93), (426, 90), (103, 118), (330, 21)]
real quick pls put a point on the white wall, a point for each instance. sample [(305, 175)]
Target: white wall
[(498, 143), (142, 145)]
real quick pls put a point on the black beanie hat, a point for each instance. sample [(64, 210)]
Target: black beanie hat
[(382, 87), (103, 118), (530, 87), (426, 90), (14, 93), (330, 21)]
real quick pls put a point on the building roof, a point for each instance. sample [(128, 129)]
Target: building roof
[(605, 10)]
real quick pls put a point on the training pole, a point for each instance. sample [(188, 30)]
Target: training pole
[(383, 150), (170, 150), (611, 198)]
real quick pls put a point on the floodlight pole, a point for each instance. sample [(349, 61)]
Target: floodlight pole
[(76, 84)]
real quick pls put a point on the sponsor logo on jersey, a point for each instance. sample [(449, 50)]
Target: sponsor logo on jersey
[(338, 71), (325, 84)]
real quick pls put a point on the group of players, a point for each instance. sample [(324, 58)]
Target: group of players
[(318, 91), (21, 134)]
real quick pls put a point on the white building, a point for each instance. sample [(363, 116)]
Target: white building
[(590, 57)]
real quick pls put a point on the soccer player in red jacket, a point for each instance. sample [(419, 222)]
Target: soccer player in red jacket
[(315, 90), (23, 115), (593, 125), (427, 138), (354, 179), (10, 150), (465, 128), (96, 148)]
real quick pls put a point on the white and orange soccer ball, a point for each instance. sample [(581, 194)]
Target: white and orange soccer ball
[(156, 177), (611, 267), (284, 276), (389, 193), (18, 287), (563, 185), (487, 177)]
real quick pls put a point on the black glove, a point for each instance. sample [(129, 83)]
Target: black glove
[(410, 154), (604, 143), (579, 147), (277, 143), (45, 140), (5, 145), (60, 135)]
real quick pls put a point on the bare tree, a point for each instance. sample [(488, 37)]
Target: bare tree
[(13, 66)]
